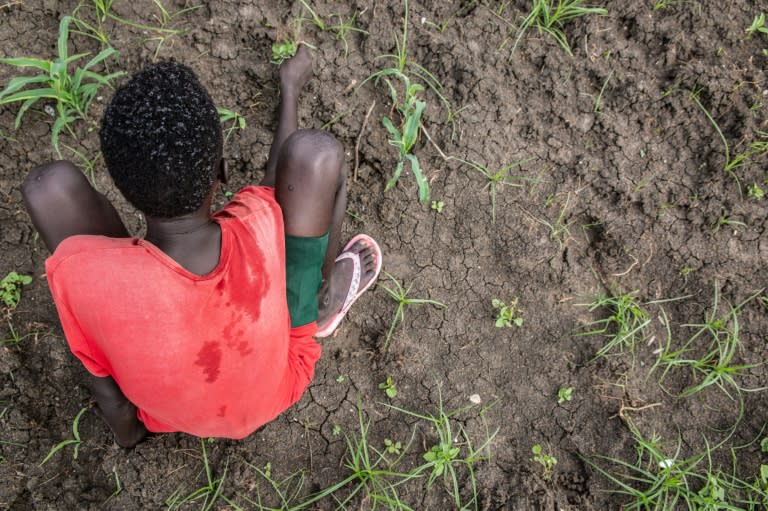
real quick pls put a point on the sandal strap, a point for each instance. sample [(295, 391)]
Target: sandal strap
[(354, 285)]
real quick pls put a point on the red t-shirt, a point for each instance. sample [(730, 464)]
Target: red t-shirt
[(210, 355)]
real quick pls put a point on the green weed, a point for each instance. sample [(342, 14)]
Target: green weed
[(725, 220), (118, 486), (564, 394), (625, 325), (403, 68), (663, 4), (400, 295), (405, 137), (372, 474), (95, 29), (437, 206), (75, 440), (211, 491), (343, 28), (712, 365), (754, 191), (599, 100), (496, 180), (546, 461), (507, 314), (452, 452), (731, 164), (550, 16), (661, 479), (88, 165), (237, 121), (286, 490), (758, 26), (73, 93), (283, 50), (165, 19), (10, 289), (559, 230), (389, 388)]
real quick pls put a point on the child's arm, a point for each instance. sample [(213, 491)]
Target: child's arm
[(117, 411), (294, 74)]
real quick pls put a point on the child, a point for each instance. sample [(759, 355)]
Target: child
[(206, 325)]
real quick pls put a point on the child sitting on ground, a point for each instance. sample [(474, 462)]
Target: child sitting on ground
[(206, 324)]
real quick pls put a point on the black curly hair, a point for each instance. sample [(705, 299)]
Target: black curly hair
[(161, 140)]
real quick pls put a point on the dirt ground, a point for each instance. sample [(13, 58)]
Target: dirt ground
[(620, 188)]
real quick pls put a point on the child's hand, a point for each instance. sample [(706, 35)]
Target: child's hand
[(296, 71)]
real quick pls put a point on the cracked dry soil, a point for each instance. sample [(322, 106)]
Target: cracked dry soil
[(617, 194)]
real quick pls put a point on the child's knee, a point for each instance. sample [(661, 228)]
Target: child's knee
[(50, 180), (315, 153)]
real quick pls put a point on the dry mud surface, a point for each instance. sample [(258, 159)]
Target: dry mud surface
[(622, 194)]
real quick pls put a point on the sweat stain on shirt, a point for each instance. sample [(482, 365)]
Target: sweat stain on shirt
[(209, 358)]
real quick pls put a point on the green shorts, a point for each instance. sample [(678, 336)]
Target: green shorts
[(304, 258)]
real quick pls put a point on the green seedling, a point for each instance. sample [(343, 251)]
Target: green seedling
[(405, 137), (340, 378), (564, 394), (165, 19), (118, 486), (403, 68), (547, 461), (372, 476), (725, 220), (496, 180), (283, 50), (730, 165), (87, 165), (437, 206), (507, 314), (389, 388), (400, 295), (75, 440), (73, 93), (452, 452), (599, 100), (336, 431), (103, 12), (757, 26), (287, 490), (710, 352), (550, 16), (315, 19), (663, 4), (661, 479), (626, 324), (5, 136), (335, 119), (10, 289), (211, 491), (559, 230), (343, 28), (393, 447), (95, 29), (237, 121)]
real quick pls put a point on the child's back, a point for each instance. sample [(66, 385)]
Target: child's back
[(209, 355)]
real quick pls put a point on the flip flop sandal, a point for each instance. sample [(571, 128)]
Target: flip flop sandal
[(354, 291)]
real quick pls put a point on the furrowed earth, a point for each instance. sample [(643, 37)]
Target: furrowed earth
[(611, 181)]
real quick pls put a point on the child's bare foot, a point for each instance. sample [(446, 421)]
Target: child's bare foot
[(296, 71), (344, 286)]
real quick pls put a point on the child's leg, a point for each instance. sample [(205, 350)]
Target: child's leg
[(311, 191), (62, 203)]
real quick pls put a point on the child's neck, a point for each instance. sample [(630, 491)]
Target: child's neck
[(192, 240)]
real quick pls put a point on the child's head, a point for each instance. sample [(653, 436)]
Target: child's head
[(161, 140)]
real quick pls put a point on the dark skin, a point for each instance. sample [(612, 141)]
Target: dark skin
[(305, 168)]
